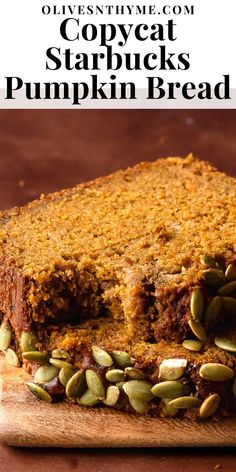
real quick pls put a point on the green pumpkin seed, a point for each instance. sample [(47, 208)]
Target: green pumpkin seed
[(209, 406), (112, 396), (198, 329), (214, 277), (138, 405), (12, 358), (35, 356), (230, 273), (234, 387), (59, 363), (102, 357), (139, 390), (210, 261), (216, 372), (60, 354), (168, 409), (27, 341), (65, 375), (192, 344), (134, 374), (39, 392), (76, 385), (197, 304), (212, 311), (115, 375), (225, 344), (227, 289), (172, 369), (45, 374), (88, 399), (5, 338), (185, 402), (95, 384), (229, 306), (169, 389), (122, 359)]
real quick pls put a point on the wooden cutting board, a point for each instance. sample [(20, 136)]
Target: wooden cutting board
[(27, 421)]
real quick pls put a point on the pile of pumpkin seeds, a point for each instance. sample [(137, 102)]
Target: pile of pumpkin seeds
[(206, 313), (117, 382)]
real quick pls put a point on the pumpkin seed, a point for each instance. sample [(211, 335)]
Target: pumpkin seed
[(209, 406), (59, 363), (76, 385), (225, 344), (123, 359), (102, 357), (216, 372), (60, 354), (197, 304), (65, 374), (139, 390), (185, 402), (95, 384), (212, 311), (12, 358), (134, 374), (210, 261), (227, 289), (138, 405), (230, 273), (112, 396), (35, 356), (168, 409), (88, 399), (5, 338), (234, 387), (229, 306), (27, 341), (172, 369), (45, 374), (169, 389), (115, 375), (39, 392), (214, 277), (198, 329), (192, 344)]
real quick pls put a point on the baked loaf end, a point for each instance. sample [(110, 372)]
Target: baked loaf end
[(131, 261)]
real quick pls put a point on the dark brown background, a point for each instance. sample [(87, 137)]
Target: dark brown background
[(42, 151)]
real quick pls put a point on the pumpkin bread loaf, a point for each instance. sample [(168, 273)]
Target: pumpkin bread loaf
[(122, 291)]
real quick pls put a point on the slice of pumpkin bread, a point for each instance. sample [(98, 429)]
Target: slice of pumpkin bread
[(141, 260)]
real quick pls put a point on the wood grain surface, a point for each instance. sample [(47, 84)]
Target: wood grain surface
[(27, 421)]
